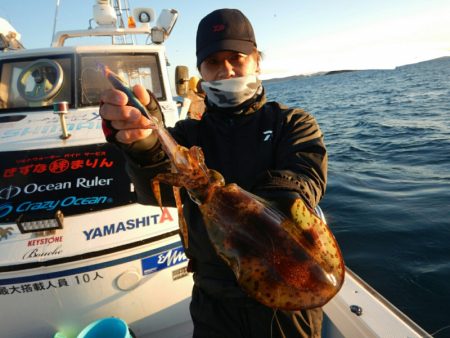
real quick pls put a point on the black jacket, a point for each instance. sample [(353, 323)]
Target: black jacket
[(268, 150)]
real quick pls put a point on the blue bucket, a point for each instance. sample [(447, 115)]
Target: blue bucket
[(106, 328)]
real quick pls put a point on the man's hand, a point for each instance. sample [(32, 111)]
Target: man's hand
[(122, 123)]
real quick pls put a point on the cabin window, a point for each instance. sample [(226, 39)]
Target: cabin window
[(34, 83), (134, 69)]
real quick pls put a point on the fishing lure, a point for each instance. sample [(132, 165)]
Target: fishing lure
[(119, 84)]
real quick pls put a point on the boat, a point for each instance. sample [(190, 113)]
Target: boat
[(75, 246)]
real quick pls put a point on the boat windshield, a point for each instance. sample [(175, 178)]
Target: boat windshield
[(36, 83), (135, 69)]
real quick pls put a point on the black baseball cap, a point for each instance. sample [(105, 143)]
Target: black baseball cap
[(224, 29)]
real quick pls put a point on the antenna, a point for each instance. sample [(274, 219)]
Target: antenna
[(120, 11), (54, 22)]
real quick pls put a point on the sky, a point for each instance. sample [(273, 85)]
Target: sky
[(295, 36)]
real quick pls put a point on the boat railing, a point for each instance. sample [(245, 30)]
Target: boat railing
[(62, 36)]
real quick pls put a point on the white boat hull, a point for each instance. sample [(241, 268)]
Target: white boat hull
[(360, 311), (145, 285)]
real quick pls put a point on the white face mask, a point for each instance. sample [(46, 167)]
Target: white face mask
[(231, 92)]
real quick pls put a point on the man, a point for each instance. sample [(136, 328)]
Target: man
[(266, 148)]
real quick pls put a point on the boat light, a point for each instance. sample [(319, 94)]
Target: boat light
[(40, 224), (167, 20), (157, 35), (164, 25)]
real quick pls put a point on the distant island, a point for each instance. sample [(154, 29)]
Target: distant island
[(339, 71), (334, 72), (293, 77)]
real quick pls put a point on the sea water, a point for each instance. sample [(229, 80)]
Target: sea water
[(388, 195)]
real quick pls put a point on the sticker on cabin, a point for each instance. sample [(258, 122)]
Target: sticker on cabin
[(180, 273), (135, 223), (43, 253), (73, 180), (163, 260), (46, 247), (50, 284), (51, 126), (44, 241)]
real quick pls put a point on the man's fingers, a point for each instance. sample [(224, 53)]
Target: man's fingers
[(132, 123), (114, 97), (126, 114), (132, 135), (142, 94), (119, 113)]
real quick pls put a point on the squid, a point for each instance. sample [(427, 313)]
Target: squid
[(287, 262)]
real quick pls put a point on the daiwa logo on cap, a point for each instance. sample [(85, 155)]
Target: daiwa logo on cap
[(218, 28)]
